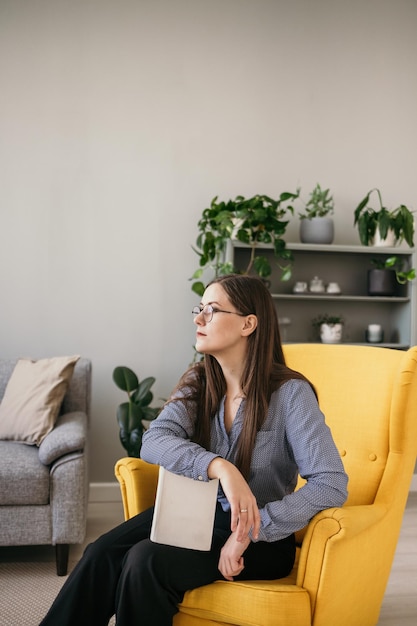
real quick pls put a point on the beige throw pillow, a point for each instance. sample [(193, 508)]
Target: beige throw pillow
[(33, 397)]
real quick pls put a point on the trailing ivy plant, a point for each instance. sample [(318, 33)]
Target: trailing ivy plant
[(395, 264), (254, 221), (130, 414)]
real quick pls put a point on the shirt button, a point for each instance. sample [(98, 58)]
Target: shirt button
[(200, 478)]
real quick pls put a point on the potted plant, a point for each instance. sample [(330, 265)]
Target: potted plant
[(383, 226), (253, 221), (330, 327), (134, 415), (316, 225), (388, 273)]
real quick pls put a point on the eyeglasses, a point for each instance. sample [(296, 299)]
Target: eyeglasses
[(208, 311)]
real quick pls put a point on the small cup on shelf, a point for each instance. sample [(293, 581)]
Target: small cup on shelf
[(374, 333)]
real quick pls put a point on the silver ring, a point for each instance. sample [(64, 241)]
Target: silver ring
[(243, 510)]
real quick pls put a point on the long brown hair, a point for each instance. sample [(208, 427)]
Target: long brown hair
[(264, 371)]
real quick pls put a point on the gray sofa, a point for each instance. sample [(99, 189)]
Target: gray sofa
[(44, 490)]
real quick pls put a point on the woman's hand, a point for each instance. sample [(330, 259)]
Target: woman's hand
[(244, 509), (231, 561)]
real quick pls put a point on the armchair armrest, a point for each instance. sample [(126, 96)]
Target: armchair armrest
[(68, 435), (338, 557), (138, 481)]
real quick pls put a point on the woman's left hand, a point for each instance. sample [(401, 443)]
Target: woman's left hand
[(231, 562)]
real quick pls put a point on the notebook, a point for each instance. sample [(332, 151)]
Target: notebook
[(184, 511)]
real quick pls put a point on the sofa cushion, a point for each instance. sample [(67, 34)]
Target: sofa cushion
[(33, 397), (23, 478)]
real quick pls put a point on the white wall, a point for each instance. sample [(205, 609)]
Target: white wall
[(119, 122)]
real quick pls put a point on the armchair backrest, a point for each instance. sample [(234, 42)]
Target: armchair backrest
[(369, 397)]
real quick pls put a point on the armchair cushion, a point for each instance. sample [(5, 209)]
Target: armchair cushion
[(279, 602), (33, 397), (69, 435)]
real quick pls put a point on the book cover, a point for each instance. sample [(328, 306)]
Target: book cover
[(184, 511)]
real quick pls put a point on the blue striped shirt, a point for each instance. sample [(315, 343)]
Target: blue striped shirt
[(294, 439)]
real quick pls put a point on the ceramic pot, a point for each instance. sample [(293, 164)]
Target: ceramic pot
[(317, 285), (382, 282), (388, 242), (331, 333), (317, 230), (374, 333)]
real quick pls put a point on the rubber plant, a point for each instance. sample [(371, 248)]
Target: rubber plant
[(130, 414), (254, 221)]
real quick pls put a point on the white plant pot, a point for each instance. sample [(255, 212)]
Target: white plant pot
[(331, 333), (388, 242)]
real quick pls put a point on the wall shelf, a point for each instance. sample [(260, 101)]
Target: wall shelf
[(341, 297), (348, 266)]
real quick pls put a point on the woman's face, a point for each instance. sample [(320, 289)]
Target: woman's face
[(227, 331)]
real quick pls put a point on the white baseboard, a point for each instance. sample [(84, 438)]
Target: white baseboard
[(105, 492), (110, 492)]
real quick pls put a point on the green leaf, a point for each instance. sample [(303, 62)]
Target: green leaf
[(198, 288), (129, 416), (243, 236), (197, 274), (384, 223), (407, 224), (390, 261), (125, 378), (150, 413), (286, 195), (262, 266), (366, 230), (123, 412), (135, 442), (361, 206), (143, 395), (142, 401)]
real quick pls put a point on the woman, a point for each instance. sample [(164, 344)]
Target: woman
[(241, 416)]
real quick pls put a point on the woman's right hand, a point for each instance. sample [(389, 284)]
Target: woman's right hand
[(244, 509)]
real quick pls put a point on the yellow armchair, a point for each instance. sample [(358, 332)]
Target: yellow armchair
[(369, 397)]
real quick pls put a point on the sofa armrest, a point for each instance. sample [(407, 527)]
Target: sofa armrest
[(138, 481), (68, 435)]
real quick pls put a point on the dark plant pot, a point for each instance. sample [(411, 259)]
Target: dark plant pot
[(317, 230), (382, 282)]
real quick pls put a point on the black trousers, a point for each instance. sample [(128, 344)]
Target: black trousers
[(142, 582)]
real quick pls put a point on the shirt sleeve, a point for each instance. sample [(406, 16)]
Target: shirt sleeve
[(167, 442), (311, 444)]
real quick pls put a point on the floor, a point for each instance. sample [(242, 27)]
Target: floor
[(399, 607)]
